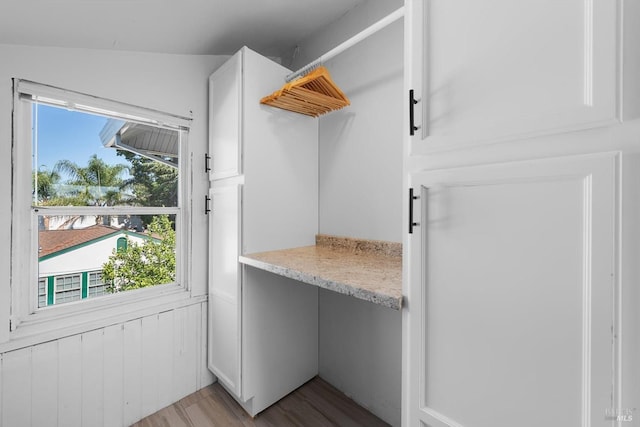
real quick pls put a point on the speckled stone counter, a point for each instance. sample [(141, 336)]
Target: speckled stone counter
[(367, 269)]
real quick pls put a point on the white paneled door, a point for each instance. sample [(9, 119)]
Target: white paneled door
[(224, 292), (513, 278), (491, 70), (225, 142)]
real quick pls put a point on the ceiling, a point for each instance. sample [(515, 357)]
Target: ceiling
[(167, 26)]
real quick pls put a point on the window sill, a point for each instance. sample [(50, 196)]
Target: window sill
[(76, 318)]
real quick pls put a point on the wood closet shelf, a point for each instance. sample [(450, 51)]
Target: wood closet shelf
[(370, 270)]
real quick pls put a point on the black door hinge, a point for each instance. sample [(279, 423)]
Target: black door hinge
[(207, 168)]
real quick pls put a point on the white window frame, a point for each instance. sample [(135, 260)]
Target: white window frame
[(26, 319)]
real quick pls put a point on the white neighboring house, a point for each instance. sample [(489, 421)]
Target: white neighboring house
[(70, 261)]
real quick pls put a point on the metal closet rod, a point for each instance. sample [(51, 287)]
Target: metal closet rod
[(374, 28)]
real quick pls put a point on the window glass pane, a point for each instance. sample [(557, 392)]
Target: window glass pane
[(42, 292), (87, 257), (67, 288), (96, 287), (81, 159)]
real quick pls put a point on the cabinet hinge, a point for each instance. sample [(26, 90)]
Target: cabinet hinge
[(412, 223)]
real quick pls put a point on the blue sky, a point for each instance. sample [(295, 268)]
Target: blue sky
[(71, 135)]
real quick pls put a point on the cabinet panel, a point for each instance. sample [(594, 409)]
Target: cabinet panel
[(263, 192), (497, 69), (224, 285), (225, 139), (512, 275), (280, 336)]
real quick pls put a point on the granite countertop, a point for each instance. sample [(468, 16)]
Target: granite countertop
[(367, 269)]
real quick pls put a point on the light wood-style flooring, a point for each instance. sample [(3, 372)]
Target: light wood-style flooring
[(315, 404)]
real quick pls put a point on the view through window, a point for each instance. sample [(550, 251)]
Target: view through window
[(105, 196)]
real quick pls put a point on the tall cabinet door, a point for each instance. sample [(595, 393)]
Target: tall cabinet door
[(225, 308), (512, 272), (225, 139)]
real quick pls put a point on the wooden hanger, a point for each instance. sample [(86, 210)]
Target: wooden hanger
[(313, 94)]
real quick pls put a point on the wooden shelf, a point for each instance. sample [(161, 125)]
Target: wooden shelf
[(370, 270)]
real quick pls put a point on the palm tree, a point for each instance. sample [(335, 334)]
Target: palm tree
[(44, 182), (98, 180), (99, 184)]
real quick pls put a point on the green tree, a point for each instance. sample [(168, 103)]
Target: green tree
[(92, 178), (141, 265), (153, 183)]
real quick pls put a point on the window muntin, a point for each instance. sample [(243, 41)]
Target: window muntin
[(99, 199), (71, 287), (42, 292), (96, 287), (67, 288)]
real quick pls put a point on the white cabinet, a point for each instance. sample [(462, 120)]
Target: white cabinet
[(225, 292), (521, 275), (263, 189), (225, 139), (486, 71), (512, 269)]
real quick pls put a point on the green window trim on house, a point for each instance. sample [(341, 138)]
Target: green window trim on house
[(51, 280), (121, 244), (84, 285)]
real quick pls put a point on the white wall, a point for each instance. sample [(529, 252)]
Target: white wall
[(360, 191), (361, 145), (120, 371)]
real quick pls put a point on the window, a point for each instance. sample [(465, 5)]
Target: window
[(67, 288), (96, 286), (121, 245), (72, 287), (42, 292), (98, 198)]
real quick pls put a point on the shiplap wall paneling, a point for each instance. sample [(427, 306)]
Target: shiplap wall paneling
[(44, 383), (165, 355), (184, 351), (16, 384), (69, 381), (132, 369), (113, 385), (151, 364), (93, 374), (1, 394), (205, 376), (107, 377)]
